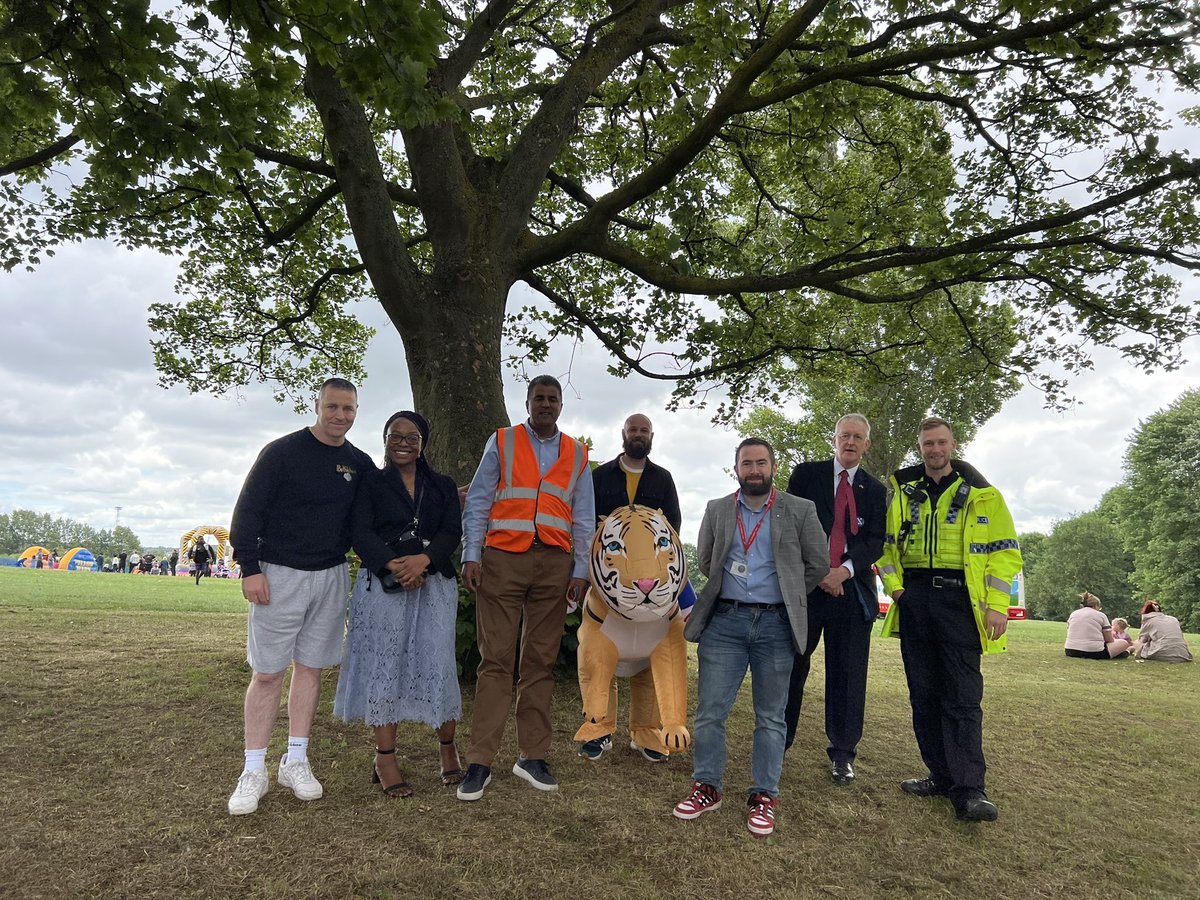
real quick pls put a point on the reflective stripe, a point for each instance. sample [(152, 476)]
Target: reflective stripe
[(506, 442), (575, 470), (544, 518), (510, 525), (555, 491), (996, 546), (517, 493), (887, 570), (998, 584)]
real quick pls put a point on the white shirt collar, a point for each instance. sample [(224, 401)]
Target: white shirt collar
[(837, 471)]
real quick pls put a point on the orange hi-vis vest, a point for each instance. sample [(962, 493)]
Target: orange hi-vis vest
[(528, 505)]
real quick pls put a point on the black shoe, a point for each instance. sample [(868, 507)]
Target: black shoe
[(842, 773), (977, 808), (923, 787), (536, 772), (596, 747), (478, 777)]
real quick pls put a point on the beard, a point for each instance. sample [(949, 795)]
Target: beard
[(637, 448), (755, 488)]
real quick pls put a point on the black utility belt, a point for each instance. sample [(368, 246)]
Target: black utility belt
[(746, 604), (936, 580)]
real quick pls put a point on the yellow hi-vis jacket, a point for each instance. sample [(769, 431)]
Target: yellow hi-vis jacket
[(988, 554), (526, 504)]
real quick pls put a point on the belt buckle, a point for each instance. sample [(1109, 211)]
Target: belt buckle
[(937, 582)]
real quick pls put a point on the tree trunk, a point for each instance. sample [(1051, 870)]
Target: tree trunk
[(454, 366)]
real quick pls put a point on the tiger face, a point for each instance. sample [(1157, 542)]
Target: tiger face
[(637, 563)]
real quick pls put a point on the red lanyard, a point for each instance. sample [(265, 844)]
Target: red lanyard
[(748, 543)]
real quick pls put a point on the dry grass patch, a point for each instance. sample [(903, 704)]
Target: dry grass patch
[(120, 739)]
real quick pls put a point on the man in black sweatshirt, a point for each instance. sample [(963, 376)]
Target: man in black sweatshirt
[(290, 533)]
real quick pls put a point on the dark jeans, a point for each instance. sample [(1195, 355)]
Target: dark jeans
[(940, 645)]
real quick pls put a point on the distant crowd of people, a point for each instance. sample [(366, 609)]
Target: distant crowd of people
[(43, 560), (204, 561), (1091, 636)]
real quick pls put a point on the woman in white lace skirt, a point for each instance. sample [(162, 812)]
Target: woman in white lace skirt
[(399, 661)]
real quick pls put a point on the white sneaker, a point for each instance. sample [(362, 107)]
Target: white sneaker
[(251, 787), (299, 777)]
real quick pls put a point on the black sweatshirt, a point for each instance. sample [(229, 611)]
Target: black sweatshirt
[(294, 509)]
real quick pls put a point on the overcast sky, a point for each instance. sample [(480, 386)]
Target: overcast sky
[(84, 427)]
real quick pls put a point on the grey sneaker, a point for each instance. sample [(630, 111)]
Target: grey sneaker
[(594, 749), (477, 778), (299, 777), (251, 787), (536, 772)]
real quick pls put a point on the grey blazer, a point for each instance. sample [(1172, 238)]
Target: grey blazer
[(801, 558)]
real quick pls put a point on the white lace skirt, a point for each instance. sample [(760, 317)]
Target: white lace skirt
[(398, 664)]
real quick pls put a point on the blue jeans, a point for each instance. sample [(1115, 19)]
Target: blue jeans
[(737, 638)]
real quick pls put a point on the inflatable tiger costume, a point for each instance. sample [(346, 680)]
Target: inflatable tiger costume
[(632, 626)]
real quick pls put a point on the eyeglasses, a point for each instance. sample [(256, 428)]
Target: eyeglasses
[(413, 440)]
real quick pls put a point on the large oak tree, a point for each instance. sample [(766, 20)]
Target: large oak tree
[(706, 188)]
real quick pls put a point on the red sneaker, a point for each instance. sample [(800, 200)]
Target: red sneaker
[(762, 814), (703, 798)]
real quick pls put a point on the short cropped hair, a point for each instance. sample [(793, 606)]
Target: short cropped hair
[(754, 442), (338, 384), (543, 381), (933, 422)]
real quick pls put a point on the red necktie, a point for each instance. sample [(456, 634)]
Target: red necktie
[(845, 518)]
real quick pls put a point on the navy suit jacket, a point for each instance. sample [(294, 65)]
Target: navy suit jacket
[(814, 481)]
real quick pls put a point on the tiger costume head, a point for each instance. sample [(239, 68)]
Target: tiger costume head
[(637, 563)]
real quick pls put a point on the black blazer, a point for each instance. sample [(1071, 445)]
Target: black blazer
[(383, 509), (656, 489), (814, 481)]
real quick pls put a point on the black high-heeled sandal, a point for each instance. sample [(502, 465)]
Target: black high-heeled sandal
[(452, 777), (400, 789)]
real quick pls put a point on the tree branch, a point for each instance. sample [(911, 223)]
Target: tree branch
[(747, 362), (42, 156), (454, 68), (396, 192), (368, 206)]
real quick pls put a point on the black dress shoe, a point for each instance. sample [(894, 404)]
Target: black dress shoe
[(842, 773), (923, 787), (977, 809)]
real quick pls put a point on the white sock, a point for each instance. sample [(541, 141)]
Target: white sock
[(256, 760), (297, 748)]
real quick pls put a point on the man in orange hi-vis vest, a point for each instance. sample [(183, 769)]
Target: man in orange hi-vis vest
[(527, 528)]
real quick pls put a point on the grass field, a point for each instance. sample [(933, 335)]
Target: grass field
[(120, 739)]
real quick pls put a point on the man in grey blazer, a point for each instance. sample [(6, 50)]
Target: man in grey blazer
[(763, 552)]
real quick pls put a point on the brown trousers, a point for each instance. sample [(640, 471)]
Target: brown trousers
[(515, 587)]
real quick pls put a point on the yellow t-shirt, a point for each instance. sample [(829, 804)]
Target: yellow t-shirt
[(631, 481)]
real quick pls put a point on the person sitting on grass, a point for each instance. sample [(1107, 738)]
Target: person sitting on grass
[(1120, 629), (1160, 637), (1089, 634)]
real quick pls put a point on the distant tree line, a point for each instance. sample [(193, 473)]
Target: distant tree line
[(1141, 542), (24, 528)]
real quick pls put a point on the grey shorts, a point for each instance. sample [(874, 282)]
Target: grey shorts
[(305, 620)]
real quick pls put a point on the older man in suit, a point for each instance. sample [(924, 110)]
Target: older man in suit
[(852, 507), (763, 552)]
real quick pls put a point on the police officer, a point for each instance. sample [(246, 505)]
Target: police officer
[(948, 562)]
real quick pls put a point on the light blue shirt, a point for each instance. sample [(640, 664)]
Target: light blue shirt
[(760, 584), (478, 506)]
